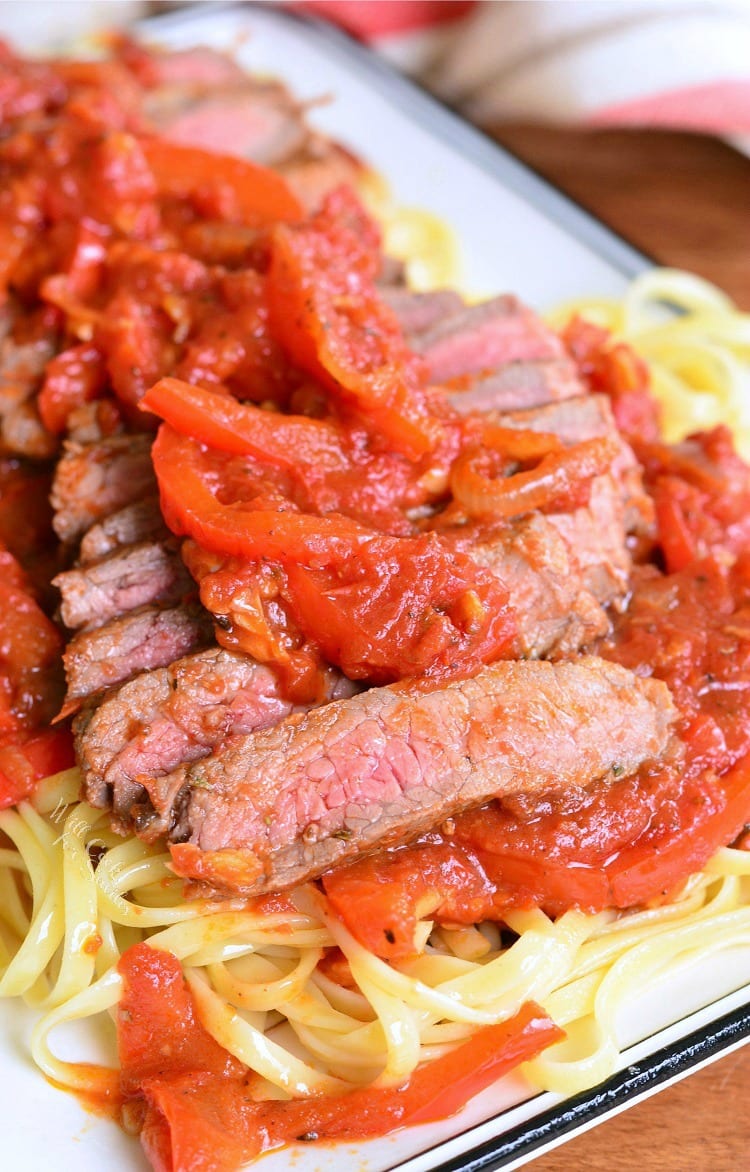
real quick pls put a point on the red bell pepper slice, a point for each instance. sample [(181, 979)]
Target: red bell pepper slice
[(326, 313), (241, 428), (75, 376), (199, 1109), (191, 509), (256, 195)]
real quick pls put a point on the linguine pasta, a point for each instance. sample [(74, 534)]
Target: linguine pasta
[(254, 974), (697, 345)]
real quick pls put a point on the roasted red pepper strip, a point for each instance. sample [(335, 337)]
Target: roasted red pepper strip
[(191, 509), (255, 195), (327, 314), (199, 1110), (242, 429)]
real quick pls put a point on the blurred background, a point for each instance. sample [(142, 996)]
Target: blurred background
[(639, 109)]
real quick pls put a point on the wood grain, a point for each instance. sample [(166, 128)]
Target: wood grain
[(684, 200)]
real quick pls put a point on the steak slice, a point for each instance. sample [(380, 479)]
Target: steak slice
[(141, 521), (149, 637), (204, 98), (519, 385), (198, 67), (418, 312), (319, 168), (281, 806), (562, 571), (133, 576), (177, 714), (254, 118), (590, 417), (484, 337), (93, 480), (257, 120)]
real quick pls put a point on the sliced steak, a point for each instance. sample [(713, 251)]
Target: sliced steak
[(392, 273), (146, 638), (93, 480), (177, 714), (418, 312), (256, 120), (141, 521), (23, 433), (484, 337), (590, 417), (562, 571), (136, 575), (202, 102), (318, 169), (283, 805), (90, 422), (519, 385), (198, 67), (21, 363)]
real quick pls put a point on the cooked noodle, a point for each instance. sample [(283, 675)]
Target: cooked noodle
[(255, 979), (699, 356)]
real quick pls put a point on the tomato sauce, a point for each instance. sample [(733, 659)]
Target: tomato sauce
[(635, 840), (198, 1103), (98, 299)]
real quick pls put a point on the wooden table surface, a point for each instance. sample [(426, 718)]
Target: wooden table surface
[(685, 201)]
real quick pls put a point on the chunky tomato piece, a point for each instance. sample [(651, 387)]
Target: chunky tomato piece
[(25, 513), (345, 586), (30, 759), (30, 654), (614, 369), (701, 490), (381, 898), (403, 607), (73, 377)]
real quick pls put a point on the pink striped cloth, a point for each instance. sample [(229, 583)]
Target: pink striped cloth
[(673, 63)]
